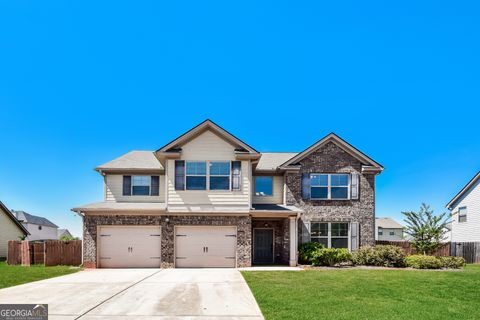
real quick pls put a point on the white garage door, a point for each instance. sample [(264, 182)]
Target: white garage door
[(205, 247), (129, 246)]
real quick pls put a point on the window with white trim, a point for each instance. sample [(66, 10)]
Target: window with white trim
[(334, 186), (462, 214), (141, 185), (392, 233), (380, 231), (330, 234), (196, 175), (219, 173)]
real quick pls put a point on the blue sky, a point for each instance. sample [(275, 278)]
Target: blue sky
[(84, 82)]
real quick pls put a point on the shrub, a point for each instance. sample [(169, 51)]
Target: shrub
[(331, 257), (307, 250), (452, 262), (381, 255), (418, 261)]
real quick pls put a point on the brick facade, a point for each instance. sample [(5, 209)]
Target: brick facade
[(243, 224), (332, 159)]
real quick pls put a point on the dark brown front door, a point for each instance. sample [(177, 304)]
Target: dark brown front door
[(263, 246)]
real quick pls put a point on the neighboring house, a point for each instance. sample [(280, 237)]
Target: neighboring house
[(465, 212), (10, 229), (63, 233), (388, 229), (40, 228), (208, 199)]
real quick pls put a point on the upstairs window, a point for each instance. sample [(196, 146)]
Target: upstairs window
[(264, 186), (141, 185), (196, 175), (219, 175), (329, 186), (462, 214)]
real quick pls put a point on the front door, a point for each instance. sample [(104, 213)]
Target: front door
[(263, 246)]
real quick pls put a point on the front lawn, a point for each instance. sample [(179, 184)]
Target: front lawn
[(15, 275), (367, 294)]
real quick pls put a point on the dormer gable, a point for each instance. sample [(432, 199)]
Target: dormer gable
[(209, 131)]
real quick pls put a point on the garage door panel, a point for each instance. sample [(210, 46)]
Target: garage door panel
[(129, 247), (205, 246)]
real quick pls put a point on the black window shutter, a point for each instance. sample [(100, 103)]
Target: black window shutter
[(127, 185), (306, 186), (179, 175), (236, 174), (154, 185)]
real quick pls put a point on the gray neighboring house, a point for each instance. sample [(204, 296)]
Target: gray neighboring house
[(208, 199), (63, 233), (40, 228), (388, 229)]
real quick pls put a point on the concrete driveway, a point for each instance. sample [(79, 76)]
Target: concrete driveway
[(141, 294)]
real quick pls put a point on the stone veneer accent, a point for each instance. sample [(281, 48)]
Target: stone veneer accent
[(243, 224), (281, 230), (332, 159)]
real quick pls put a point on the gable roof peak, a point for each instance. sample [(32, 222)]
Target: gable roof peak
[(368, 162), (205, 125), (464, 190)]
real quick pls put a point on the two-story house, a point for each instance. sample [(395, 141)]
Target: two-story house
[(465, 212), (39, 228), (208, 199)]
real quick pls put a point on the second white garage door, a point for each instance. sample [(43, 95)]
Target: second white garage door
[(205, 247), (129, 246)]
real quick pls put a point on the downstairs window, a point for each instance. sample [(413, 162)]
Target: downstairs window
[(330, 234)]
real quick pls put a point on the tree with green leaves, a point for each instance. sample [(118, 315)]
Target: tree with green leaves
[(426, 229), (68, 238)]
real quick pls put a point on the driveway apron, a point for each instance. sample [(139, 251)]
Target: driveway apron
[(141, 294)]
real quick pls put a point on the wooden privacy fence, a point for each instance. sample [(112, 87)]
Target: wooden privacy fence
[(444, 250), (470, 251), (50, 253)]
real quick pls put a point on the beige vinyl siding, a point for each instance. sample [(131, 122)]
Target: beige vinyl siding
[(8, 231), (114, 190), (276, 198), (208, 147)]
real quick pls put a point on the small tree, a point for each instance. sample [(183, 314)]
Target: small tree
[(426, 229), (68, 238)]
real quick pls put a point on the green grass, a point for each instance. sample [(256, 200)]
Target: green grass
[(15, 275), (367, 294)]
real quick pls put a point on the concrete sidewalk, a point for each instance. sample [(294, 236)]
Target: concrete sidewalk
[(141, 294)]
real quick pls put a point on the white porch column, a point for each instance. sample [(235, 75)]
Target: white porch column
[(293, 241)]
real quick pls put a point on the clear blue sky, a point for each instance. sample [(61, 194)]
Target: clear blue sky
[(84, 82)]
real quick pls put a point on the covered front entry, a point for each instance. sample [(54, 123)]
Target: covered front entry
[(263, 248), (205, 246), (274, 241), (129, 246)]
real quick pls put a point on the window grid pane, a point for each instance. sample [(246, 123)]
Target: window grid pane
[(198, 168), (141, 180), (220, 168)]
